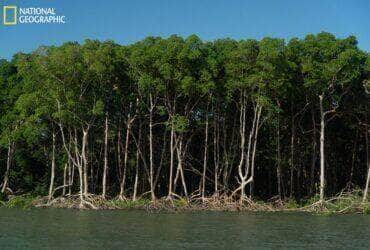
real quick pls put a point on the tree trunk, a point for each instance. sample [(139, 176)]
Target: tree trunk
[(278, 168), (52, 172), (242, 118), (215, 151), (242, 145), (9, 161), (292, 141), (125, 159), (72, 175), (353, 159), (322, 156), (172, 152), (314, 155), (367, 183), (151, 159), (75, 161), (80, 170), (180, 165), (257, 126), (105, 157), (119, 160), (368, 164), (205, 157), (137, 166), (71, 170), (84, 160), (65, 179)]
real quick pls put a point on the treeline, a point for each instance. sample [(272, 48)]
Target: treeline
[(182, 117)]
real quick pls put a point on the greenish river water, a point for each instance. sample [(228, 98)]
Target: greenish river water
[(72, 229)]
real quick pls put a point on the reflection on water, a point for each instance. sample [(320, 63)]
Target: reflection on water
[(72, 229)]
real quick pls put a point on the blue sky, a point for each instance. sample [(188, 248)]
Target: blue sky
[(127, 21)]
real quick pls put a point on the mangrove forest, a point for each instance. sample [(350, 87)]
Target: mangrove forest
[(183, 119)]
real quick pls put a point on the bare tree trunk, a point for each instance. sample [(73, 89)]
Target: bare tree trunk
[(65, 179), (52, 174), (69, 178), (151, 151), (85, 161), (71, 170), (105, 156), (278, 168), (137, 166), (366, 191), (205, 158), (80, 170), (172, 151), (322, 156), (76, 161), (242, 146), (119, 160), (125, 159), (353, 158), (257, 127), (292, 141), (180, 165), (215, 152), (313, 159), (251, 151), (9, 161), (368, 163)]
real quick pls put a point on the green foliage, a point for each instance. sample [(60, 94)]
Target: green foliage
[(179, 203), (98, 108), (21, 201), (180, 123)]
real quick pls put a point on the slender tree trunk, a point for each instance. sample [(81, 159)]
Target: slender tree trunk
[(65, 179), (80, 170), (278, 168), (105, 157), (180, 165), (314, 155), (172, 152), (353, 158), (292, 141), (366, 191), (151, 151), (84, 160), (125, 160), (52, 172), (69, 178), (119, 160), (9, 161), (322, 156), (215, 155), (205, 158), (242, 146), (137, 166), (253, 157), (75, 161), (71, 170)]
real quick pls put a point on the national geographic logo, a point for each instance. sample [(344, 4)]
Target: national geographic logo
[(13, 15), (10, 15)]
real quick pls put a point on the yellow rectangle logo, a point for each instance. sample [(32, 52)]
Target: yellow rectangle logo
[(10, 15)]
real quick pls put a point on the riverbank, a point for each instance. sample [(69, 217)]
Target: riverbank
[(344, 203)]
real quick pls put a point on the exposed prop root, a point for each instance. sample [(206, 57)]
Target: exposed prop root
[(345, 202)]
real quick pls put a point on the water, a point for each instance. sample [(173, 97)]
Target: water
[(72, 229)]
